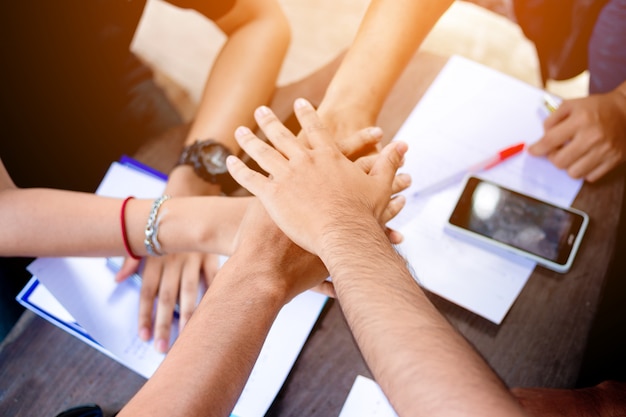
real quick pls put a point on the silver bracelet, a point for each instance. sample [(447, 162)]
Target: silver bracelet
[(152, 228)]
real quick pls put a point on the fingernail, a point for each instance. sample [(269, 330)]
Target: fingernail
[(401, 148), (144, 334), (231, 160), (262, 111), (398, 237), (242, 131), (375, 132), (406, 179), (301, 103), (161, 345)]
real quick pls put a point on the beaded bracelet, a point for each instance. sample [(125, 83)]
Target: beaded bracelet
[(152, 228), (124, 234)]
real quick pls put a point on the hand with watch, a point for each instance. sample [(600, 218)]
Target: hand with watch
[(208, 160)]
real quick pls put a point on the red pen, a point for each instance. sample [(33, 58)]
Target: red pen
[(503, 155), (490, 162)]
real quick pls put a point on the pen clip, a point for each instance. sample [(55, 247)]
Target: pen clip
[(550, 103)]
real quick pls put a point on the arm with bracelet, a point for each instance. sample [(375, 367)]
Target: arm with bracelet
[(50, 222)]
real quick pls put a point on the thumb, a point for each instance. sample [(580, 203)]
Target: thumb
[(129, 267), (390, 159)]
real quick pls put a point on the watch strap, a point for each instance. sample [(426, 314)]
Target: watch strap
[(191, 156)]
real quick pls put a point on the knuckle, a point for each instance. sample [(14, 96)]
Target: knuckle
[(167, 297), (186, 314), (145, 320), (148, 290), (314, 126), (557, 161), (162, 329), (574, 172), (269, 121)]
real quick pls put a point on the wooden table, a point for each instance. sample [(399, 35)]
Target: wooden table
[(540, 343)]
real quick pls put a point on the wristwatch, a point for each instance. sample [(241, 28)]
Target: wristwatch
[(208, 159)]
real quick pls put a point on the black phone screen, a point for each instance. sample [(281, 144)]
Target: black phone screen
[(517, 220)]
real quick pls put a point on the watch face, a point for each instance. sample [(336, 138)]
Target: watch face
[(213, 158)]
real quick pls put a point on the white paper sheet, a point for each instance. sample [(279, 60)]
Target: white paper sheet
[(469, 113), (86, 289), (37, 298), (366, 399)]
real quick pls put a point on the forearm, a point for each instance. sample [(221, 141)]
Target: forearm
[(607, 399), (210, 362), (391, 32), (43, 222), (234, 87), (423, 365)]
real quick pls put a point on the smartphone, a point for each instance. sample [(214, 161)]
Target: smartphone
[(504, 219)]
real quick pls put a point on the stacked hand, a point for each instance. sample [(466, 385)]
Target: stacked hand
[(289, 182), (182, 277)]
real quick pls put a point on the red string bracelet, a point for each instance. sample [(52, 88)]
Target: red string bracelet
[(124, 236)]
